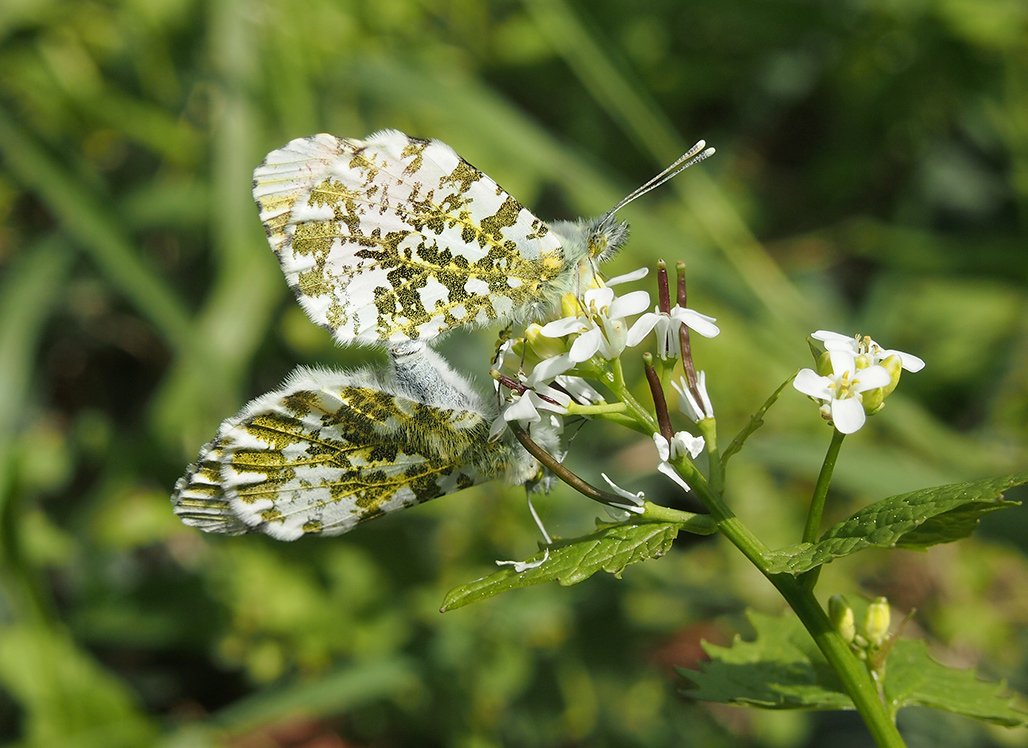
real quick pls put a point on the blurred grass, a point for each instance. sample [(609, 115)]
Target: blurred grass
[(872, 174)]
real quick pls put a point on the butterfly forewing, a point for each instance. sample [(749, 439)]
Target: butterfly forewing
[(331, 450), (395, 238)]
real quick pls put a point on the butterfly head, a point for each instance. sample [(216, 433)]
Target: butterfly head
[(605, 236)]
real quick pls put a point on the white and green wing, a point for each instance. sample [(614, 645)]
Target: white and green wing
[(395, 238), (330, 450)]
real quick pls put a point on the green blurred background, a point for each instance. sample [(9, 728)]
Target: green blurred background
[(872, 175)]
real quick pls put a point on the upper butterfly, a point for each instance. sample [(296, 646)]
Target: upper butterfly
[(395, 238)]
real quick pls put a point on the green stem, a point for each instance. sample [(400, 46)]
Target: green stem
[(698, 524), (708, 428), (594, 410), (615, 379), (824, 480), (848, 668), (854, 676), (628, 422)]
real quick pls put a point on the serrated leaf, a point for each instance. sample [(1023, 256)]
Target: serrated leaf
[(914, 520), (611, 548), (781, 668), (755, 422), (913, 678)]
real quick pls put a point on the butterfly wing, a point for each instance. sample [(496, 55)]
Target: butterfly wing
[(395, 238), (331, 450)]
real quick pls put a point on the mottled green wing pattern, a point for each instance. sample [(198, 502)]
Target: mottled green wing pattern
[(394, 238), (331, 450)]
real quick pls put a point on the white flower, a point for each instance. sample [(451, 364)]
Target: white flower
[(696, 411), (600, 329), (526, 406), (682, 443), (842, 390), (634, 503), (863, 345), (668, 343)]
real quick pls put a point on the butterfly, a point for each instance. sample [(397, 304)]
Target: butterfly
[(395, 238), (392, 241)]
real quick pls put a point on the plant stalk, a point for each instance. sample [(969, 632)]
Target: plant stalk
[(824, 480), (848, 668)]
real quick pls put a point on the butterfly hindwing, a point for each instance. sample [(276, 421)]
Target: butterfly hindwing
[(395, 238), (330, 450)]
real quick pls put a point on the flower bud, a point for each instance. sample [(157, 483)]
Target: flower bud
[(873, 400), (542, 346), (841, 615), (876, 622), (570, 306), (823, 365), (894, 365)]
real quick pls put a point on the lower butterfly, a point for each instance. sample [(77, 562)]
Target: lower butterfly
[(393, 241), (332, 449)]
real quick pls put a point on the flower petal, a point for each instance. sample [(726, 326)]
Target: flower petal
[(848, 415), (522, 566), (910, 362), (586, 345), (631, 303), (670, 473), (641, 328), (549, 369), (635, 498), (580, 389), (810, 383), (522, 409), (685, 443), (843, 361), (598, 298), (871, 378), (629, 277), (663, 448), (560, 400), (835, 340), (563, 326), (694, 320)]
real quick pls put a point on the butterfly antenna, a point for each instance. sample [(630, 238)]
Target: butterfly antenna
[(693, 156)]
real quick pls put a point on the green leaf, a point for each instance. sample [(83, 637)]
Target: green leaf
[(912, 520), (755, 422), (913, 678), (781, 668), (611, 548)]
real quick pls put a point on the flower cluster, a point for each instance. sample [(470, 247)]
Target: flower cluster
[(550, 371), (547, 369), (854, 376)]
